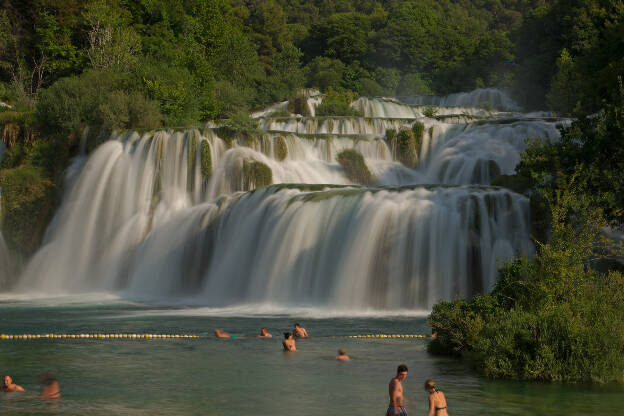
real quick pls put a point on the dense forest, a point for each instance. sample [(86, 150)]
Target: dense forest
[(111, 64)]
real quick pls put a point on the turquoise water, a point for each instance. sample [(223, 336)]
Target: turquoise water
[(253, 376)]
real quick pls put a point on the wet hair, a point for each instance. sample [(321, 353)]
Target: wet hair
[(297, 325), (47, 378), (287, 335), (430, 385), (402, 368), (342, 351)]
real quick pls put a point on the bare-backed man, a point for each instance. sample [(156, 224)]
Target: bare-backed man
[(396, 406)]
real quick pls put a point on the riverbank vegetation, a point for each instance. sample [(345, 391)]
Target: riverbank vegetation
[(120, 64), (560, 315)]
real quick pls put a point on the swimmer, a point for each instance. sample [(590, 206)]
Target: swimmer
[(395, 388), (264, 334), (289, 342), (342, 355), (9, 386), (437, 401), (300, 332), (219, 333), (51, 388)]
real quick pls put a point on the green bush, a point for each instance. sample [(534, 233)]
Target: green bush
[(206, 158), (121, 110), (548, 319), (406, 148), (430, 112), (337, 104), (94, 98), (281, 149), (355, 167)]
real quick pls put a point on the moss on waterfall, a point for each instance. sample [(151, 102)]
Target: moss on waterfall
[(430, 112), (281, 149), (355, 167), (406, 148), (253, 174), (193, 140), (28, 197), (418, 129), (299, 105), (206, 158)]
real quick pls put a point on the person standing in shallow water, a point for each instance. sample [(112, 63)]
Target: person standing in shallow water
[(51, 388), (437, 401), (300, 332), (342, 355), (289, 342), (395, 388), (9, 386)]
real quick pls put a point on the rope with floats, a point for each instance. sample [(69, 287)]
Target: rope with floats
[(170, 336)]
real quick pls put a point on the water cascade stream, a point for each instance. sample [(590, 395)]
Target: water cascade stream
[(175, 215)]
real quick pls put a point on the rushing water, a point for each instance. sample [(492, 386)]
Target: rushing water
[(144, 218), (207, 376), (175, 220)]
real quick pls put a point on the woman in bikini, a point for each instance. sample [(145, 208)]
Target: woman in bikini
[(289, 342), (437, 401)]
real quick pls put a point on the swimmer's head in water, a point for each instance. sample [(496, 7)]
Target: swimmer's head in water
[(47, 378), (8, 380), (287, 335), (430, 385), (297, 326), (402, 372), (342, 351)]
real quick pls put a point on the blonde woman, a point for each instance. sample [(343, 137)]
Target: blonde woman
[(437, 401)]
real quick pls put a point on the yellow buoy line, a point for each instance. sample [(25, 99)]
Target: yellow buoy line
[(177, 336), (388, 336), (97, 336)]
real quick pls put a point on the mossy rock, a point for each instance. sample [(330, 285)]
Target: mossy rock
[(406, 148), (281, 149), (299, 105), (418, 129), (27, 204), (206, 158), (516, 183), (256, 174), (355, 167)]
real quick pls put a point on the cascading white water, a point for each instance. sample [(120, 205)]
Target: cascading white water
[(152, 216), (348, 248), (496, 98)]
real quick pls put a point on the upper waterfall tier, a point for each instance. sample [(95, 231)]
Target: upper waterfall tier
[(351, 248), (482, 97), (393, 108)]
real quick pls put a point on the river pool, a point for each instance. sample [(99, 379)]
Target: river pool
[(206, 376)]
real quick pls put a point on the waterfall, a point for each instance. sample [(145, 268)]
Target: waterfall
[(187, 214), (493, 97), (347, 247)]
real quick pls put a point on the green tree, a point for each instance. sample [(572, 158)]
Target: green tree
[(113, 44), (563, 88)]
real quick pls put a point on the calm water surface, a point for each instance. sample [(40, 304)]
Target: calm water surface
[(207, 376)]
